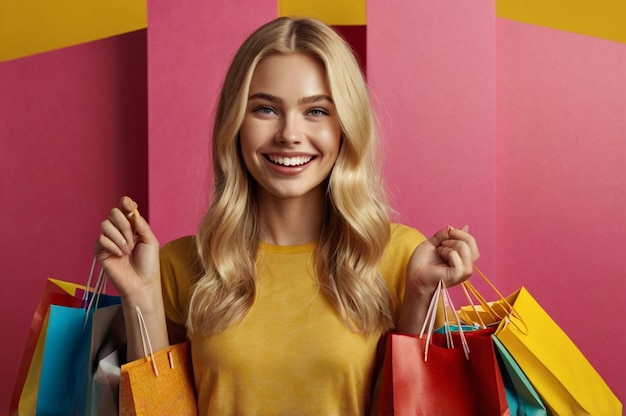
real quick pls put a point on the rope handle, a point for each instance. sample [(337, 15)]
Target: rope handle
[(509, 311), (447, 301), (145, 341), (99, 289), (441, 292)]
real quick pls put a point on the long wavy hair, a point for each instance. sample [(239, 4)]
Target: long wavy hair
[(355, 229)]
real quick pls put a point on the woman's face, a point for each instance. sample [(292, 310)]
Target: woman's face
[(290, 136)]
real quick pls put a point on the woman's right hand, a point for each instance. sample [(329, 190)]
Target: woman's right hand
[(129, 254), (128, 251)]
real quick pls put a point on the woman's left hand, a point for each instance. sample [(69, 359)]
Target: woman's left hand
[(449, 255)]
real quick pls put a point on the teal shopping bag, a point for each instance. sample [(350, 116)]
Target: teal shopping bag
[(521, 396), (64, 379)]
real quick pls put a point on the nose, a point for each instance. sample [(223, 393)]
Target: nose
[(290, 131)]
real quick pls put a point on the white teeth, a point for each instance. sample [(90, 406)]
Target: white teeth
[(290, 161)]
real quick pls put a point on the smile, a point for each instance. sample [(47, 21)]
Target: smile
[(289, 161)]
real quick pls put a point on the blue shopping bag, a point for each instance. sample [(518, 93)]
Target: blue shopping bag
[(65, 371)]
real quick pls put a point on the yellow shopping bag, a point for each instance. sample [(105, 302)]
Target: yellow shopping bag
[(566, 381), (560, 373)]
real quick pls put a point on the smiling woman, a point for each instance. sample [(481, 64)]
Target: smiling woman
[(295, 273)]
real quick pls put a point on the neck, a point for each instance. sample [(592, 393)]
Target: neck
[(291, 221)]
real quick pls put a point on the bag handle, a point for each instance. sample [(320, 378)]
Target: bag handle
[(441, 292), (145, 340), (509, 311), (98, 289), (471, 302)]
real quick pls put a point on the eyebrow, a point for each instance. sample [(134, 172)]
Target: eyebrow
[(305, 100)]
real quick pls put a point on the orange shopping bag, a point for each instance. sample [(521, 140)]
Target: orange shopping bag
[(160, 383)]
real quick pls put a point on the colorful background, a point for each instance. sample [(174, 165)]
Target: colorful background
[(506, 115)]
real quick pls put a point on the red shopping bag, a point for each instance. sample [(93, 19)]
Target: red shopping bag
[(434, 375)]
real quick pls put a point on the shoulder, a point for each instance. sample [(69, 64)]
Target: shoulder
[(402, 243), (179, 247), (181, 252), (179, 259), (179, 269), (404, 237)]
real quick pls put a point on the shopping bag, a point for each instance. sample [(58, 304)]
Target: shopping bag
[(107, 352), (567, 382), (521, 396), (105, 386), (425, 376), (166, 374), (564, 379), (65, 371), (24, 397)]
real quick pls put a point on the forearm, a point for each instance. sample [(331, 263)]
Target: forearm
[(153, 312), (413, 312)]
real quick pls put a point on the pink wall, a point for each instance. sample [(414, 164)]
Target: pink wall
[(189, 47), (431, 68), (72, 140), (561, 183)]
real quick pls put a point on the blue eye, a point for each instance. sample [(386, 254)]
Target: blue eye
[(317, 112), (264, 109)]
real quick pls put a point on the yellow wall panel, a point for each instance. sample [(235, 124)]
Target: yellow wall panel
[(33, 26), (333, 12), (599, 18)]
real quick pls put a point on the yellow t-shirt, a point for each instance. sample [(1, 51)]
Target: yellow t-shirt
[(291, 354)]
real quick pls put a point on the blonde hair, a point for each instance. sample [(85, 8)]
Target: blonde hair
[(356, 224)]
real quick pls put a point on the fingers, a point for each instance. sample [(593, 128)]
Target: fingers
[(457, 255), (123, 229), (448, 255), (128, 206), (458, 248), (117, 235), (450, 235), (143, 232)]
